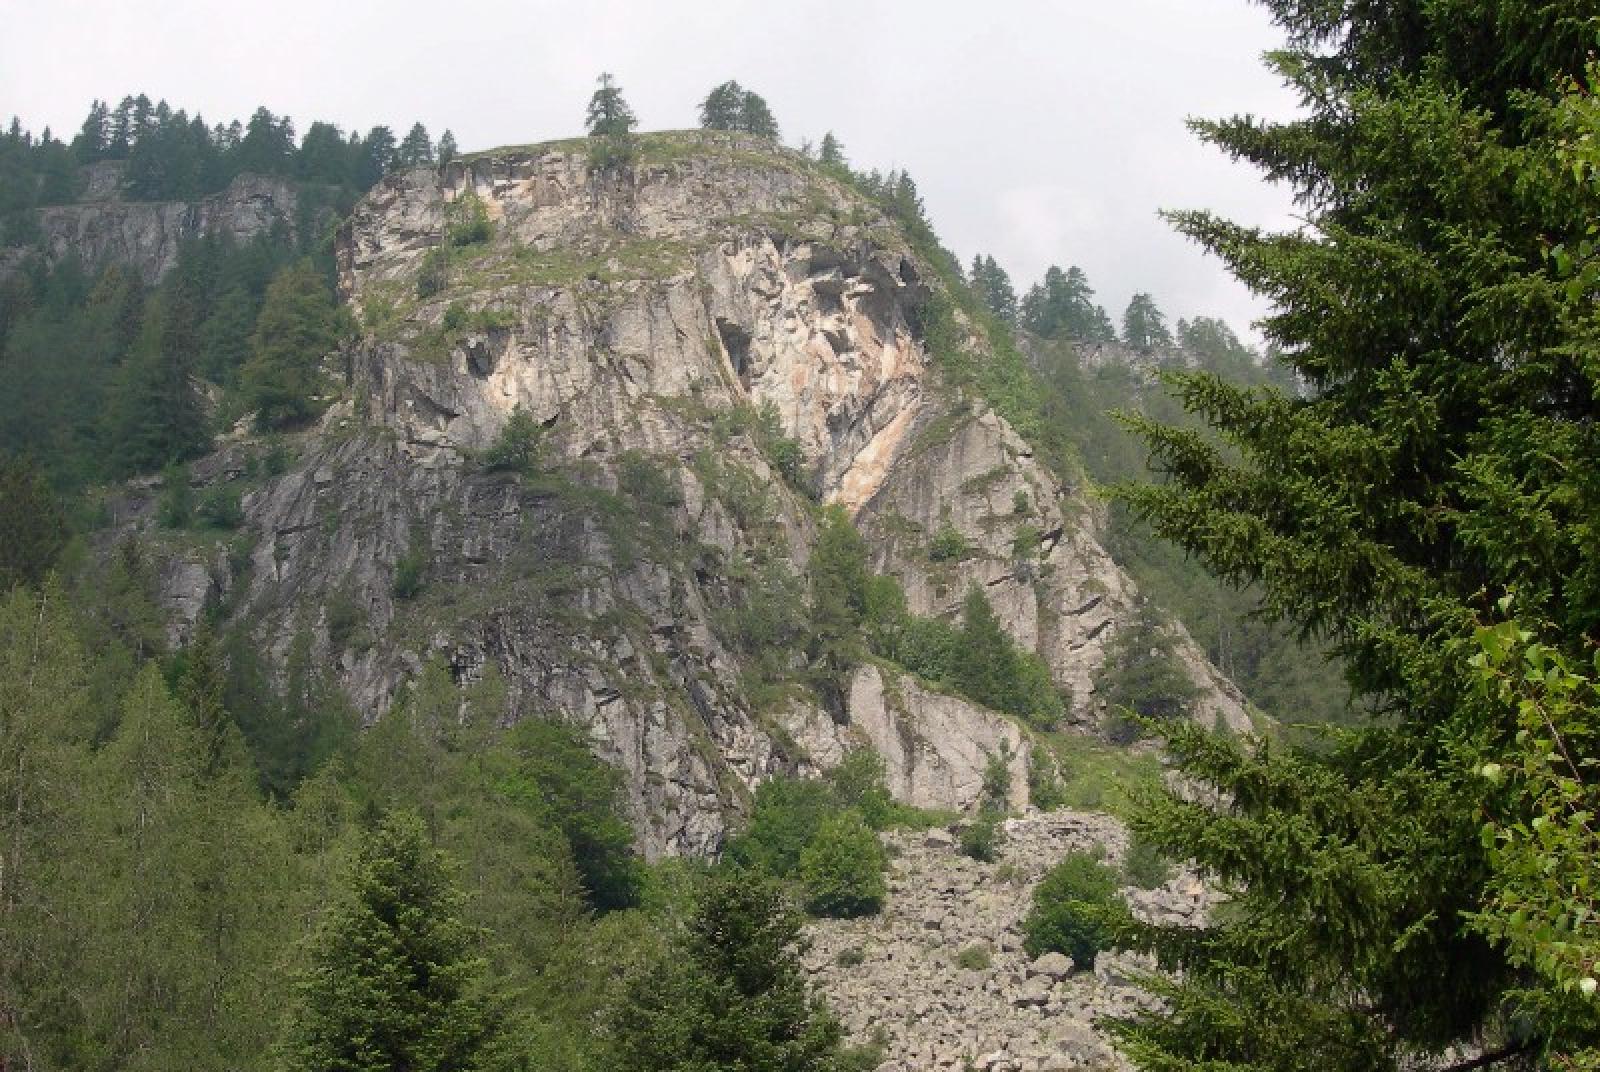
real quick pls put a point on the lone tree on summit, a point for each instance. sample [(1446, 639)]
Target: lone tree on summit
[(611, 122)]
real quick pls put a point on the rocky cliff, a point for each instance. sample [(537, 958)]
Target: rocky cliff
[(642, 319), (103, 228)]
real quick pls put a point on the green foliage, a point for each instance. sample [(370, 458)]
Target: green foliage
[(1069, 904), (788, 813), (298, 326), (1145, 866), (841, 868), (980, 838), (1434, 458), (33, 529), (516, 447), (1144, 327), (732, 107), (1142, 677), (220, 507), (411, 569), (466, 222), (975, 957), (396, 976), (947, 545), (729, 992), (610, 123), (433, 274), (175, 510), (584, 799), (993, 286), (1062, 307)]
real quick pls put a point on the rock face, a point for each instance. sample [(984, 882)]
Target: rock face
[(644, 321), (146, 235), (940, 979)]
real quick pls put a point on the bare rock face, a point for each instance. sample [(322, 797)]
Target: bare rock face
[(146, 235), (644, 320)]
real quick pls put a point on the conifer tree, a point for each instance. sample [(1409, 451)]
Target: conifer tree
[(994, 287), (1144, 327), (756, 118), (730, 994), (721, 108), (831, 152), (1437, 311), (297, 327), (33, 529), (610, 123), (396, 980), (838, 576), (416, 150), (447, 148)]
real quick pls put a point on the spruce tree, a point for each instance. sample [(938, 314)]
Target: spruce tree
[(831, 152), (33, 530), (730, 993), (298, 325), (1435, 308), (756, 118), (1144, 327), (447, 148), (396, 979), (721, 108), (416, 150), (610, 123)]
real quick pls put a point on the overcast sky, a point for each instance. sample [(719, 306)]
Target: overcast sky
[(1040, 132)]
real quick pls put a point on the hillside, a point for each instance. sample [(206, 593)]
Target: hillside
[(709, 350)]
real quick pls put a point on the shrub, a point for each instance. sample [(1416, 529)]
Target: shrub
[(975, 957), (409, 571), (1145, 866), (980, 839), (467, 221), (851, 957), (434, 273), (787, 815), (516, 449), (220, 508), (859, 782), (841, 869), (1067, 909), (948, 545), (176, 508)]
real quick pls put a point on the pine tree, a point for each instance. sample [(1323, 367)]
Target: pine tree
[(297, 327), (447, 148), (994, 287), (396, 980), (1144, 327), (416, 150), (610, 123), (721, 108), (1434, 464), (730, 993), (831, 152), (838, 581), (756, 118), (33, 530)]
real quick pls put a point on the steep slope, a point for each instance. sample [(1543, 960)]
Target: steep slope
[(104, 228), (644, 320)]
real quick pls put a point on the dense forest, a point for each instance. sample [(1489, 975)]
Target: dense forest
[(206, 862)]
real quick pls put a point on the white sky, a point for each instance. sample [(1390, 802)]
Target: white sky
[(1041, 132)]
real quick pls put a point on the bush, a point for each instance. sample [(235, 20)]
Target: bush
[(841, 869), (850, 957), (859, 783), (467, 221), (1067, 906), (975, 957), (434, 274), (788, 813), (947, 545), (980, 839), (176, 508), (220, 508), (409, 570), (516, 449), (1145, 866)]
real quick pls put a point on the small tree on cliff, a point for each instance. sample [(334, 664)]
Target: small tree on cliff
[(610, 122)]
